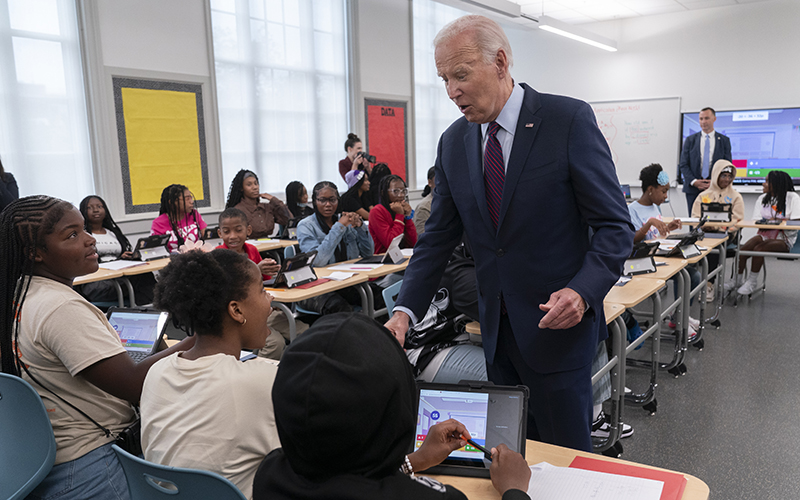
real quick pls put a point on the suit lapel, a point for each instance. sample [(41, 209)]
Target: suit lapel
[(520, 150), (472, 143)]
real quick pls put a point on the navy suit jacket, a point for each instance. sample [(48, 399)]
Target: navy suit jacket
[(691, 165), (560, 182)]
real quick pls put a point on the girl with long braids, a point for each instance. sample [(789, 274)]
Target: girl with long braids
[(64, 346), (111, 244), (336, 238), (392, 216), (177, 217), (779, 201), (245, 194), (297, 200)]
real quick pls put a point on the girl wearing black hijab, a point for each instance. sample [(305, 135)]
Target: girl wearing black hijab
[(345, 407)]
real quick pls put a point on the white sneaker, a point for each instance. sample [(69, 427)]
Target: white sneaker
[(710, 289), (750, 286), (731, 285), (694, 323), (692, 333)]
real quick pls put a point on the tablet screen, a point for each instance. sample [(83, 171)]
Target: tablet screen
[(492, 415), (469, 408), (138, 331)]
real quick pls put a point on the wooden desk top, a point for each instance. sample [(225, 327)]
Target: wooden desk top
[(673, 266), (288, 295), (99, 275), (752, 224), (612, 311), (380, 272), (153, 265), (710, 244), (263, 246), (481, 488), (634, 291), (473, 327)]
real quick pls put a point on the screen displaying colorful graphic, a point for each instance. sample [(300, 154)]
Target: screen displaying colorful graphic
[(761, 140), (137, 331), (469, 408)]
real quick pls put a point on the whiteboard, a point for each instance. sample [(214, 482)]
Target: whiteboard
[(640, 132)]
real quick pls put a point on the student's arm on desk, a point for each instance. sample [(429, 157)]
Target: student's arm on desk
[(121, 377)]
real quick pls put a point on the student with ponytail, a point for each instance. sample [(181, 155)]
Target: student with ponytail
[(177, 217), (64, 346)]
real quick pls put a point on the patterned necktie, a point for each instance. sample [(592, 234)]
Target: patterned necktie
[(706, 154), (494, 173)]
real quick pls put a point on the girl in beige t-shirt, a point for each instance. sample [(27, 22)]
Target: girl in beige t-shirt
[(48, 331), (203, 408)]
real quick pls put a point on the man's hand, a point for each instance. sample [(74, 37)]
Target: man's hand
[(564, 310), (398, 325), (702, 184), (442, 439), (509, 470)]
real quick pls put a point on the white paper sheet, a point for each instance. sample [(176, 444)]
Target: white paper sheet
[(339, 276), (563, 483), (355, 267), (116, 265)]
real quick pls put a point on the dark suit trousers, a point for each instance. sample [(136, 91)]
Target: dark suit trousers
[(560, 407), (690, 197)]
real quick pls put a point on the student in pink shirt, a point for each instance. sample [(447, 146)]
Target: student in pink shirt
[(177, 217)]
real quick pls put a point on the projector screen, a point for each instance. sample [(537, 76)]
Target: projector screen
[(761, 140)]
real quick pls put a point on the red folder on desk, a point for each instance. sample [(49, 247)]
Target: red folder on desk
[(674, 483)]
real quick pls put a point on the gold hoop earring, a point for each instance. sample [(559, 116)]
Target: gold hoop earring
[(244, 322)]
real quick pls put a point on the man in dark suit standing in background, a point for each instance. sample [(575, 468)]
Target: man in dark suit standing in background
[(525, 175), (699, 153)]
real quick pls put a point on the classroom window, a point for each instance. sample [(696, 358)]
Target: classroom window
[(433, 110), (44, 135), (281, 74)]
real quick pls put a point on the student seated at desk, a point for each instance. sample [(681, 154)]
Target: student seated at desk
[(203, 408), (357, 198), (423, 210), (245, 194), (111, 245), (646, 218), (336, 238), (346, 412), (178, 217), (720, 191), (438, 346), (392, 216), (779, 201), (234, 230), (65, 348), (297, 200)]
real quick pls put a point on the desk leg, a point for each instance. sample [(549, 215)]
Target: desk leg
[(120, 298), (719, 285), (698, 340), (289, 317), (367, 299), (736, 258), (647, 399), (616, 366), (131, 293), (681, 316)]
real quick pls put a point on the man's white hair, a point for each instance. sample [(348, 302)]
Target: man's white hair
[(487, 36)]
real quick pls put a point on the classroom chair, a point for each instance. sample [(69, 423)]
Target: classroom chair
[(390, 294), (27, 446), (149, 481)]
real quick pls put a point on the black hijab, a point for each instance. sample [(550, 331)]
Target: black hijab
[(345, 408)]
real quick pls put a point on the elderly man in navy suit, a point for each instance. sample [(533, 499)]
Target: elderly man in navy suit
[(700, 151), (527, 177)]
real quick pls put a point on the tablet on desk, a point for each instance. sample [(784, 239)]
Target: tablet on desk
[(493, 414)]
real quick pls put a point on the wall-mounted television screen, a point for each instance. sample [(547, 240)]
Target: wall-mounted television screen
[(761, 140)]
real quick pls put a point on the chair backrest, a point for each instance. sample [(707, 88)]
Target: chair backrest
[(27, 446), (390, 294), (289, 252), (149, 481)]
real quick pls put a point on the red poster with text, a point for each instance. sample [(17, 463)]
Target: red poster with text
[(387, 136)]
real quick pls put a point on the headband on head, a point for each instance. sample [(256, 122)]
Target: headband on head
[(662, 179), (247, 175)]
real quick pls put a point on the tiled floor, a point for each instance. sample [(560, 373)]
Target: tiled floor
[(734, 419)]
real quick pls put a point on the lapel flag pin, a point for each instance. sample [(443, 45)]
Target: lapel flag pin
[(529, 125)]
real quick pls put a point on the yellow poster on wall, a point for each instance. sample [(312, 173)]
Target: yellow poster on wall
[(163, 144)]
